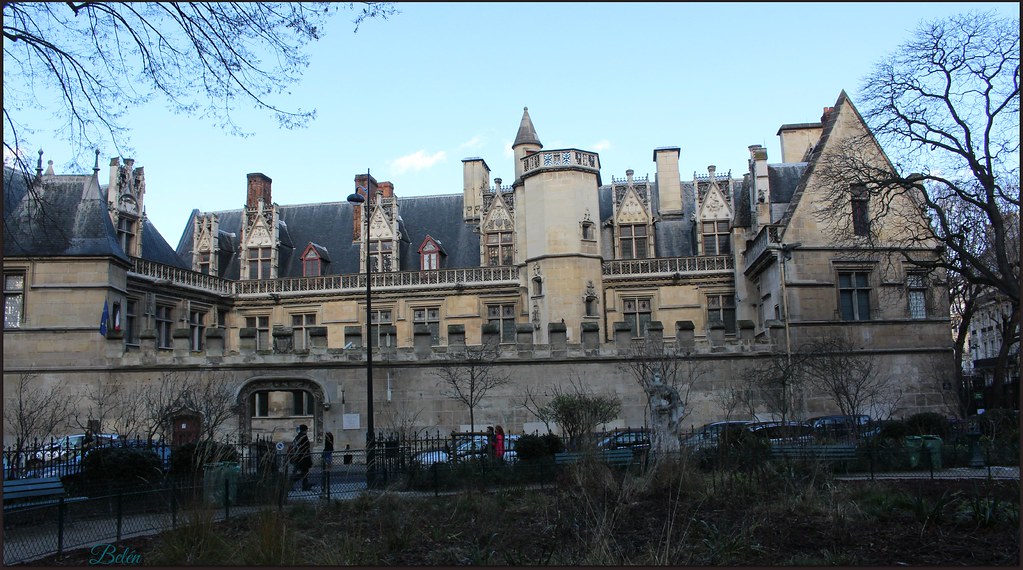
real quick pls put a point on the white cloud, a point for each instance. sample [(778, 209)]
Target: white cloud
[(418, 160), (474, 142), (602, 145)]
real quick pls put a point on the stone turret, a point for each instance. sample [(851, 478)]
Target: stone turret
[(526, 143)]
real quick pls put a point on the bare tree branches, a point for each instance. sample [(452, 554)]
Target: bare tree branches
[(470, 381), (33, 411), (575, 409), (91, 62), (854, 382)]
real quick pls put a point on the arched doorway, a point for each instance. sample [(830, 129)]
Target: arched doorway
[(273, 407)]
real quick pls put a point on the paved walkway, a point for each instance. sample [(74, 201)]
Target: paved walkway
[(32, 542)]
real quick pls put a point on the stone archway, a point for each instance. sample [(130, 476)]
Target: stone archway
[(278, 384)]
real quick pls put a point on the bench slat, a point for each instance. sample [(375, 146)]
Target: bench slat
[(32, 488)]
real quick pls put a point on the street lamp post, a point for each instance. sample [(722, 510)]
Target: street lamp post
[(357, 199)]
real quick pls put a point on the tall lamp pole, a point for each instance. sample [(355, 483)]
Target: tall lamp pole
[(357, 199)]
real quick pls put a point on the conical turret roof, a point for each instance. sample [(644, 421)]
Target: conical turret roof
[(526, 134)]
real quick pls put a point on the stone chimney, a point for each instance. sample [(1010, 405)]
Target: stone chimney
[(827, 114), (761, 194), (669, 183), (259, 190), (475, 181)]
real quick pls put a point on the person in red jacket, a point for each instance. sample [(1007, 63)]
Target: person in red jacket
[(499, 442)]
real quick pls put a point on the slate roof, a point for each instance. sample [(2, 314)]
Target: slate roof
[(329, 226), (783, 180), (69, 219), (526, 134)]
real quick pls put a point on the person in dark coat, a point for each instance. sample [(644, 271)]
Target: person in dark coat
[(302, 458)]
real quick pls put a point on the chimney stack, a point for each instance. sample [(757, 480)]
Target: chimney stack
[(258, 190)]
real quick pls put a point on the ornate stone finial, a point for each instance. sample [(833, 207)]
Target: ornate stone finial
[(49, 168), (711, 169), (39, 165), (95, 167), (497, 183), (628, 175)]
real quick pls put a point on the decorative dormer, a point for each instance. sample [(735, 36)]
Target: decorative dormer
[(314, 257), (633, 217), (259, 256), (125, 202), (206, 248), (430, 253), (714, 213), (497, 243), (384, 233)]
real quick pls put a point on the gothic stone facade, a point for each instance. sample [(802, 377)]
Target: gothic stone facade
[(562, 271)]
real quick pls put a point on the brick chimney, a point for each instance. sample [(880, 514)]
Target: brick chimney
[(259, 189), (827, 113), (360, 184)]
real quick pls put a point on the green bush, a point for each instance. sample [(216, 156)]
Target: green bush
[(894, 430), (121, 466), (191, 457), (928, 423), (536, 447)]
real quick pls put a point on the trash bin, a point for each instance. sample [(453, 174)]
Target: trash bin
[(214, 477), (914, 444), (932, 447)]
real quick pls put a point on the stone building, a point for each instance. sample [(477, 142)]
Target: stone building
[(561, 270)]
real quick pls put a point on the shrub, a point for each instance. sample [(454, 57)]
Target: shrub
[(895, 430), (999, 424), (928, 423), (535, 447), (191, 457), (553, 443), (121, 466)]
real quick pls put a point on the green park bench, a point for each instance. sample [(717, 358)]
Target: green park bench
[(610, 456)]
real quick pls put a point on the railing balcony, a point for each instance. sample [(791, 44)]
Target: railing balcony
[(767, 236), (669, 266), (561, 159), (350, 283), (181, 277)]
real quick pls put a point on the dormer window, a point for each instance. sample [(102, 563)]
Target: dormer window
[(716, 238), (633, 241), (204, 262), (126, 235), (313, 259), (429, 254), (259, 263)]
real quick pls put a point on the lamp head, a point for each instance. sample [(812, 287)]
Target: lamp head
[(356, 198)]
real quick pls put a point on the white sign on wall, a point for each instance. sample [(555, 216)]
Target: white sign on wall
[(350, 421)]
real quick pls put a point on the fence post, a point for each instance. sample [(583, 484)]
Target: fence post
[(436, 483), (120, 512), (930, 461), (174, 505), (227, 498), (60, 526)]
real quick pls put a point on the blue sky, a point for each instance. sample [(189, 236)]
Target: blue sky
[(411, 96)]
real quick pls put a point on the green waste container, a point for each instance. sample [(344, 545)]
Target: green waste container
[(932, 447), (214, 477), (914, 444)]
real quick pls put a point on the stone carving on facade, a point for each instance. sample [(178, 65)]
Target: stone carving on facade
[(247, 391)]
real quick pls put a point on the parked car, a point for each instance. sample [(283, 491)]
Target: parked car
[(777, 433), (467, 447), (633, 439), (711, 435), (510, 455), (69, 446), (843, 427)]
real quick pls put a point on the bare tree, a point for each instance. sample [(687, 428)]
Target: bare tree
[(33, 412), (402, 419), (90, 62), (473, 378), (210, 395), (855, 382), (776, 385), (577, 410), (946, 107), (666, 373), (107, 399)]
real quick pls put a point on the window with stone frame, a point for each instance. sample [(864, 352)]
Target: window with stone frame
[(636, 311), (131, 322), (381, 254), (430, 317), (632, 239), (300, 324), (721, 309), (205, 262), (196, 329), (261, 405), (126, 234), (302, 403), (259, 262), (588, 230), (917, 296), (262, 325), (164, 319), (860, 198), (503, 316), (854, 295), (379, 318), (499, 248), (14, 300), (717, 239)]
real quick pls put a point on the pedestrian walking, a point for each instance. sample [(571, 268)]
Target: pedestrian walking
[(301, 457), (328, 450), (499, 442), (491, 442)]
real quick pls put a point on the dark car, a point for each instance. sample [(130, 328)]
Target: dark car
[(713, 434), (632, 439), (843, 427), (777, 433)]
